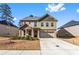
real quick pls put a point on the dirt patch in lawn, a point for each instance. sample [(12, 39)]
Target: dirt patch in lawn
[(73, 40), (5, 44)]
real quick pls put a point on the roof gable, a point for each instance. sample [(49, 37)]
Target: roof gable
[(47, 17), (24, 26)]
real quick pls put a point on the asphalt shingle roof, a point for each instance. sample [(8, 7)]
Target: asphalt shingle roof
[(31, 17), (35, 18), (71, 23)]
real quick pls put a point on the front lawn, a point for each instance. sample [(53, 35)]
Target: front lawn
[(5, 44), (72, 40)]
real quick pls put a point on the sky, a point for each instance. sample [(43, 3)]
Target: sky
[(63, 12)]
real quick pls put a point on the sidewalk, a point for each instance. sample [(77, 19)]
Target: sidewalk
[(19, 52)]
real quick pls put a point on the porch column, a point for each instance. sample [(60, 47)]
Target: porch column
[(19, 33), (38, 33), (22, 33), (26, 32), (32, 33)]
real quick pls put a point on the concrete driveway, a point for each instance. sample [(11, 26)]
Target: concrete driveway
[(55, 46)]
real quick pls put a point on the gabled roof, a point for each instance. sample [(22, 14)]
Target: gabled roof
[(35, 18), (24, 26), (4, 22), (30, 18), (47, 15), (71, 23)]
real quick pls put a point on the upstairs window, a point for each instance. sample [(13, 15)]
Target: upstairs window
[(35, 24), (52, 24), (47, 24), (42, 24)]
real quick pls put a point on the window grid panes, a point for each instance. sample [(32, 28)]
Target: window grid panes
[(47, 24), (35, 24), (42, 24), (51, 24)]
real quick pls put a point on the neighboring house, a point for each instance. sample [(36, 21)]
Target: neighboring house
[(70, 29), (8, 29), (41, 27)]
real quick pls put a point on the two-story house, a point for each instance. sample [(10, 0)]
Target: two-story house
[(41, 27)]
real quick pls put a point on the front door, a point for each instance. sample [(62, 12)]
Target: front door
[(29, 32), (35, 33)]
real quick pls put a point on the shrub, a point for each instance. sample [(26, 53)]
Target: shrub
[(28, 37), (15, 37), (35, 38), (24, 38)]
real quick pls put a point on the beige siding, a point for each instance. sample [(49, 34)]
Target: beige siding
[(44, 27), (49, 27)]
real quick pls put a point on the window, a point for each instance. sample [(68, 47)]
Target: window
[(35, 24), (51, 24), (47, 24), (42, 24)]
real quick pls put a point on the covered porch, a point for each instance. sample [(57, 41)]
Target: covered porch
[(25, 31)]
